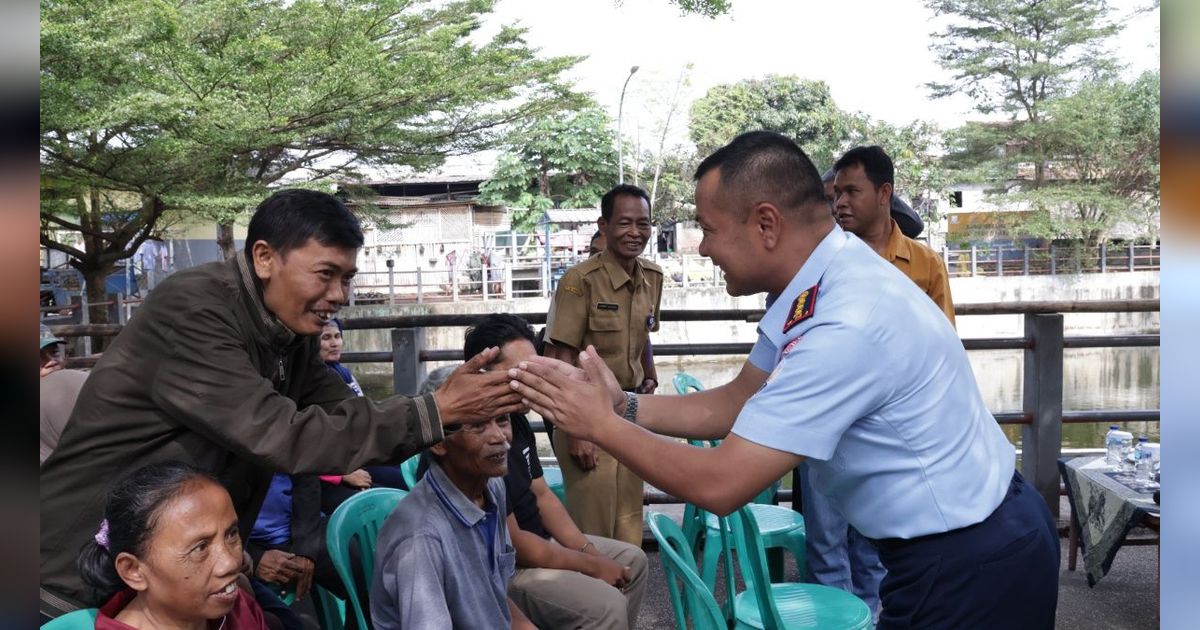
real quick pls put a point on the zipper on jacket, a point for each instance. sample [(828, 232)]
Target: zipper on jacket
[(282, 375)]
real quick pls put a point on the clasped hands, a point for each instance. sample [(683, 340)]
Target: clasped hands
[(578, 400)]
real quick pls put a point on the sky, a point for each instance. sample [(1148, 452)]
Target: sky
[(873, 54)]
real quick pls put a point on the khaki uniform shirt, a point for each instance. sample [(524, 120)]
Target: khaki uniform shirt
[(924, 266), (598, 303)]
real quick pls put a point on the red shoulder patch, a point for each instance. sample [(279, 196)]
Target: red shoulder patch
[(803, 308)]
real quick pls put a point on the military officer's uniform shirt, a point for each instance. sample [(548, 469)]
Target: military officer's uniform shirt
[(598, 303), (871, 383)]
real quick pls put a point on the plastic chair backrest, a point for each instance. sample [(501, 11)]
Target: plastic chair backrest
[(679, 568), (359, 519), (82, 619), (752, 560), (684, 381), (408, 470)]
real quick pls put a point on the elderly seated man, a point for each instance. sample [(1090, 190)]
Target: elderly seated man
[(564, 579), (444, 557)]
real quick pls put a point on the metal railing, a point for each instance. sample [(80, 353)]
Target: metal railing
[(1041, 416), (1009, 260)]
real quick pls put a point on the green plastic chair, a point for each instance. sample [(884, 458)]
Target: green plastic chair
[(408, 470), (553, 477), (780, 527), (359, 519), (331, 610), (82, 619), (690, 598), (789, 606)]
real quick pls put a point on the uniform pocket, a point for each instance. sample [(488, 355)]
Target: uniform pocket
[(606, 329)]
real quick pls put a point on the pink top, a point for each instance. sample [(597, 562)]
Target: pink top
[(245, 615)]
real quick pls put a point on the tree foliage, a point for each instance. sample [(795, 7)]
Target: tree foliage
[(801, 109), (567, 161), (200, 106), (1014, 56), (1104, 167)]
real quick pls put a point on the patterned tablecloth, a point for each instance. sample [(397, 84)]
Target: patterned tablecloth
[(1105, 505)]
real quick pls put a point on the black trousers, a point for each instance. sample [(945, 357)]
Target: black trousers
[(1000, 573)]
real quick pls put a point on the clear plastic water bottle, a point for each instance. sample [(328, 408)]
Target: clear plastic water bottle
[(1143, 461), (1126, 450), (1112, 447)]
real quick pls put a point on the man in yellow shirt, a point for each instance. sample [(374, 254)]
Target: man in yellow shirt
[(610, 300), (862, 189)]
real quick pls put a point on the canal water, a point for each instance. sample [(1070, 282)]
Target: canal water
[(1093, 378)]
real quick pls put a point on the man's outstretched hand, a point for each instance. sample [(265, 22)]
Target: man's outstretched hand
[(578, 401), (470, 396)]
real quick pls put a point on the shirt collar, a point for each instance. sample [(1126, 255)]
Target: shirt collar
[(780, 305), (616, 274), (455, 501), (898, 245)]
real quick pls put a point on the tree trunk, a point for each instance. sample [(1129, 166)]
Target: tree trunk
[(96, 281), (225, 239)]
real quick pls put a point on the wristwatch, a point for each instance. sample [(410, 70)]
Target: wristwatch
[(631, 405)]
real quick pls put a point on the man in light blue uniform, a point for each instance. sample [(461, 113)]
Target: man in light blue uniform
[(888, 416)]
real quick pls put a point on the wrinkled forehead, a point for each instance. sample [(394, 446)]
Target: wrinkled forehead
[(512, 353)]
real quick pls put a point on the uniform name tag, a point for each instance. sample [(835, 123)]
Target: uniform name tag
[(606, 306), (803, 308)]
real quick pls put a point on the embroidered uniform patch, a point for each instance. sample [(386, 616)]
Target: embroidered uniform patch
[(803, 308), (571, 289)]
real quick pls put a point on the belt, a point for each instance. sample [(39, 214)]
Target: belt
[(890, 545)]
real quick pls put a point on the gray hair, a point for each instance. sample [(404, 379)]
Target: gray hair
[(436, 378)]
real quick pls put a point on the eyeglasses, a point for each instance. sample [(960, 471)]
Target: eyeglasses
[(474, 429)]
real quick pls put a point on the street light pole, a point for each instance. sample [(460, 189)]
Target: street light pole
[(620, 147)]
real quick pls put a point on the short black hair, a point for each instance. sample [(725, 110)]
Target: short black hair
[(289, 218), (768, 164), (131, 515), (496, 329), (875, 162), (610, 198)]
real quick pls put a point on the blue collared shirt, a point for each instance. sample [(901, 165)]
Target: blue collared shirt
[(876, 390), (441, 561)]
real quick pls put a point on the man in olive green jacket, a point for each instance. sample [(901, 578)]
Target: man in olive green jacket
[(221, 368)]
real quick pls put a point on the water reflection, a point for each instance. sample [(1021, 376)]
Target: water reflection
[(1093, 378)]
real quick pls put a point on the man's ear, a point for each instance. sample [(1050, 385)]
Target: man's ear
[(132, 571), (263, 256), (885, 194), (439, 449), (768, 222)]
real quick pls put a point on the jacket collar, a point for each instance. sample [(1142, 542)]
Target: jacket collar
[(267, 324)]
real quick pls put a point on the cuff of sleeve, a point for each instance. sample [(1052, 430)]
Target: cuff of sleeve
[(429, 419), (333, 479)]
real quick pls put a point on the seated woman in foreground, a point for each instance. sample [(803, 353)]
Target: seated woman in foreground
[(168, 554)]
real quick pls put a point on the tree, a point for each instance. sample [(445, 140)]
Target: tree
[(801, 109), (1013, 56), (200, 106), (565, 161), (1104, 166)]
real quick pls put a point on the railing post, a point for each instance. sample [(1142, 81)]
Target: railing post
[(1103, 257), (407, 369), (973, 260), (1053, 262), (1000, 260), (1132, 254), (391, 266), (1041, 441), (1025, 266), (683, 266), (85, 317), (420, 287), (120, 308), (483, 276), (454, 282)]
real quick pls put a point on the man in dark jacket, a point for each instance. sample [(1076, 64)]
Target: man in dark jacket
[(221, 368)]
